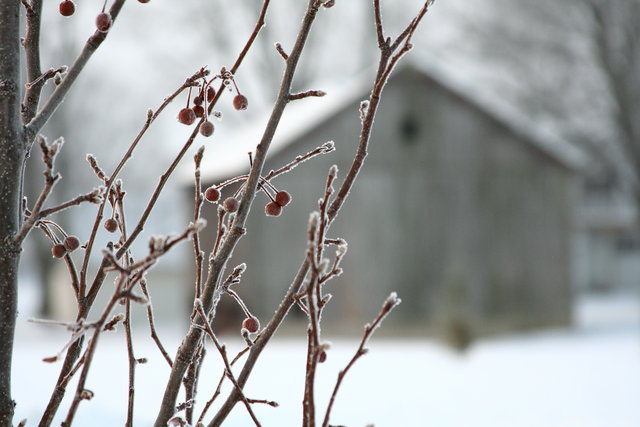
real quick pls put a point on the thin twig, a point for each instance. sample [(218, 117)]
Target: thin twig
[(301, 95), (216, 393), (390, 303), (154, 333)]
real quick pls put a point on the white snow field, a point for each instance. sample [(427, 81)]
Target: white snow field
[(587, 376)]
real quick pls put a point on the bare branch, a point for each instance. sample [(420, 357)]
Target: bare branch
[(301, 95), (390, 303)]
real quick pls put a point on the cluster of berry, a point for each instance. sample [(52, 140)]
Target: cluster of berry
[(231, 204), (188, 115), (69, 244)]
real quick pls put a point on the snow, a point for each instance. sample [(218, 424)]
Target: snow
[(585, 376)]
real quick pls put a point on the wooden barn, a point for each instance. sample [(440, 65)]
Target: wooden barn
[(463, 207)]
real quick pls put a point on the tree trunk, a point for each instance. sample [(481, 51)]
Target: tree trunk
[(12, 153)]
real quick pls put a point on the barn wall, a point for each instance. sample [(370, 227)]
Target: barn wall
[(470, 224)]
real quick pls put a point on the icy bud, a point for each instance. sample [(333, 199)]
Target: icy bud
[(177, 421), (328, 147), (56, 146), (142, 360), (391, 301), (86, 394), (333, 171), (240, 269), (111, 324), (149, 114), (342, 249), (198, 226), (364, 108)]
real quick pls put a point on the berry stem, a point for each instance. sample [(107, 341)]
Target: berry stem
[(240, 302), (104, 6), (189, 96)]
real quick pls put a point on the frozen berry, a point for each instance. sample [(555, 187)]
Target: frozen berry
[(198, 110), (273, 209), (58, 251), (71, 243), (240, 102), (143, 1), (323, 356), (197, 100), (212, 194), (251, 324), (231, 204), (111, 225), (67, 8), (283, 198), (186, 116), (103, 22), (206, 128), (210, 94)]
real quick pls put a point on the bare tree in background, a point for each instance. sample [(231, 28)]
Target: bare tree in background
[(573, 67)]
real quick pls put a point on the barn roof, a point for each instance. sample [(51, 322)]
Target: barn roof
[(302, 116)]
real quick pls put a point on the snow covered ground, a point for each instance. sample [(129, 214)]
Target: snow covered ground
[(588, 376)]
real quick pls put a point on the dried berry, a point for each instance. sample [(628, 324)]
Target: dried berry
[(323, 356), (283, 198), (67, 8), (186, 116), (197, 100), (206, 128), (240, 102), (273, 209), (71, 243), (103, 22), (111, 225), (198, 110), (231, 204), (212, 194), (210, 94), (58, 251), (251, 324)]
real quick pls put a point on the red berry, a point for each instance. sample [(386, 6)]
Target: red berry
[(251, 324), (212, 194), (186, 116), (67, 8), (323, 356), (197, 100), (240, 102), (71, 243), (231, 204), (111, 225), (206, 128), (103, 22), (210, 94), (58, 251), (273, 209), (283, 198), (198, 111), (143, 1)]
